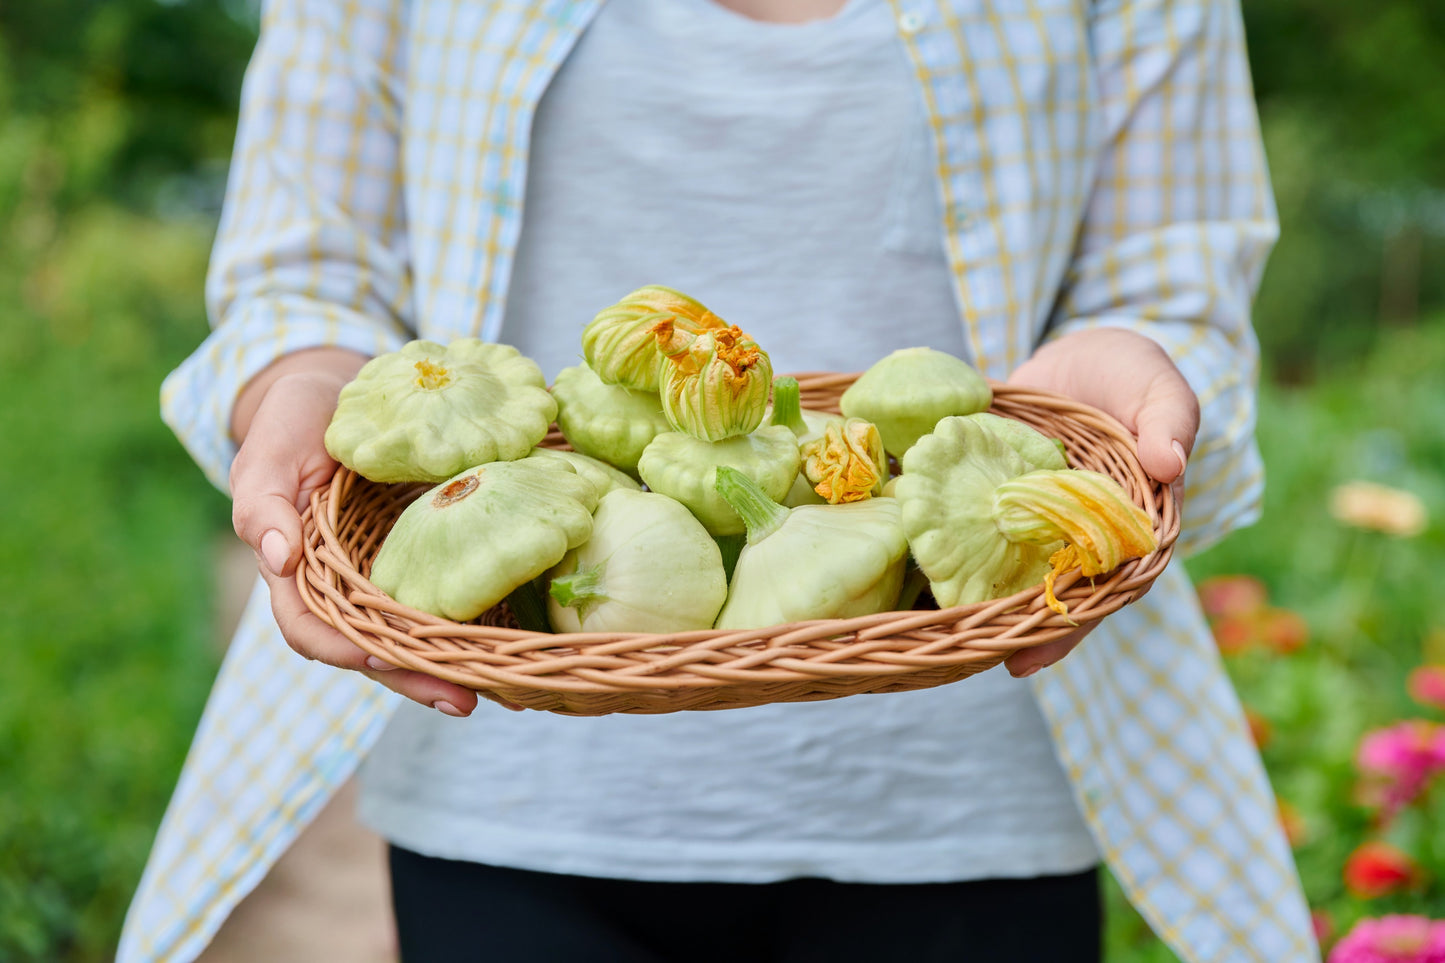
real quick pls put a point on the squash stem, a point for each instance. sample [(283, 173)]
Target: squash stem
[(788, 406), (580, 589), (759, 513)]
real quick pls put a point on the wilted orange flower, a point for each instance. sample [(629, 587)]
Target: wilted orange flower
[(1231, 596), (1283, 630), (1259, 727), (1292, 821), (1427, 685), (1375, 869), (1378, 508)]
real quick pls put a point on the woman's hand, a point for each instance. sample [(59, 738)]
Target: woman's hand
[(280, 419), (1130, 377)]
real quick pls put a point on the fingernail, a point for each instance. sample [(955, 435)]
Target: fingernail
[(275, 550), (1183, 458), (380, 665), (442, 705), (1028, 672)]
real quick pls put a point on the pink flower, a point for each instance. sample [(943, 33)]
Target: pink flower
[(1377, 869), (1392, 939), (1399, 761), (1427, 685)]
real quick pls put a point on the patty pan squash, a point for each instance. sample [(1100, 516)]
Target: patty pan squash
[(813, 561), (606, 421), (648, 567), (685, 468), (464, 545), (428, 411), (990, 508), (603, 476), (906, 393)]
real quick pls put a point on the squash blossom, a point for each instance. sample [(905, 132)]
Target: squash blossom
[(847, 464), (1090, 512), (713, 385), (619, 345), (805, 425)]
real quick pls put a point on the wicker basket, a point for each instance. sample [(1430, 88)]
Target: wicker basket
[(600, 673)]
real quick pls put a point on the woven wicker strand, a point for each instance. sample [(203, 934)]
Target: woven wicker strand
[(599, 673)]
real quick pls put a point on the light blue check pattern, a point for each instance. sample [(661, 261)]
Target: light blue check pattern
[(1099, 163)]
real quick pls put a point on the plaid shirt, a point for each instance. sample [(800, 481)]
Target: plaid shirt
[(1099, 164)]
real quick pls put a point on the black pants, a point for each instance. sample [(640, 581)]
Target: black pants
[(457, 912)]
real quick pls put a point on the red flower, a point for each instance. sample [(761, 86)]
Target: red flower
[(1231, 596), (1234, 634), (1376, 868), (1427, 685)]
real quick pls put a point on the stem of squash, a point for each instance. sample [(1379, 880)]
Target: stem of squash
[(759, 513), (787, 405), (581, 589)]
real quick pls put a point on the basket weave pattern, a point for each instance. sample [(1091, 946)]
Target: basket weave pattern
[(600, 673)]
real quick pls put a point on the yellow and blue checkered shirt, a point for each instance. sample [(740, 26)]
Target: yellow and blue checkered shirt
[(1099, 163)]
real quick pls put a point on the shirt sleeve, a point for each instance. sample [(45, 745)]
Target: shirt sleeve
[(311, 248), (1178, 227)]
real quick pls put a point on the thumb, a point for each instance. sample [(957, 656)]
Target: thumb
[(268, 489), (265, 517), (1166, 423)]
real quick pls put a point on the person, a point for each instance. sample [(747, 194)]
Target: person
[(1070, 196)]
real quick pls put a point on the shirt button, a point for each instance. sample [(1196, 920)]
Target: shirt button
[(910, 23)]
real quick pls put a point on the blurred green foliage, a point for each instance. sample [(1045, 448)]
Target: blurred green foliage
[(1355, 132), (116, 120)]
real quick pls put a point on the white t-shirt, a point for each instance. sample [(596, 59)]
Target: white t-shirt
[(783, 175)]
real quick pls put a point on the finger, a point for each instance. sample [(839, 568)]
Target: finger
[(1166, 422), (1026, 662), (314, 639)]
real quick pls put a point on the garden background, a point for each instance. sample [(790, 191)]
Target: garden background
[(116, 122)]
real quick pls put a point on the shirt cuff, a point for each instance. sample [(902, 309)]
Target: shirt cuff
[(197, 397)]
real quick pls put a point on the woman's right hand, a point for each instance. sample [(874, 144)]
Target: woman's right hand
[(280, 420)]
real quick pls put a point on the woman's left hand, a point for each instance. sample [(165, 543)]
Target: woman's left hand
[(1132, 378)]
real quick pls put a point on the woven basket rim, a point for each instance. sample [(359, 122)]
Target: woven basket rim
[(596, 672)]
